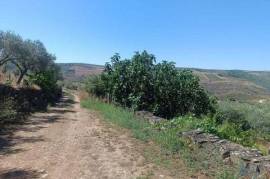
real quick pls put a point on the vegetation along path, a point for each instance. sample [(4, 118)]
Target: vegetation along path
[(70, 142)]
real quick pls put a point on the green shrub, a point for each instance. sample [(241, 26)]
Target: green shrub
[(95, 85), (226, 130), (228, 174), (232, 116), (47, 81), (8, 111), (70, 85), (256, 115), (178, 92), (140, 84), (209, 125), (234, 133)]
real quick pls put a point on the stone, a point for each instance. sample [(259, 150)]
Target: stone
[(150, 117), (226, 154), (228, 161)]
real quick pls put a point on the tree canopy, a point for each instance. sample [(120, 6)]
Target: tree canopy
[(27, 56)]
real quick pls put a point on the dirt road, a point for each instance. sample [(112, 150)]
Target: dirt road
[(70, 142)]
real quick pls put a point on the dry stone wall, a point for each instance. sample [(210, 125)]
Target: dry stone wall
[(253, 164), (252, 161)]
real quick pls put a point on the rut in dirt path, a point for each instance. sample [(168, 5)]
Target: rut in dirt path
[(70, 142)]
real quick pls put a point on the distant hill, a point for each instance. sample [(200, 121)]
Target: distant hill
[(225, 84), (235, 84), (77, 71)]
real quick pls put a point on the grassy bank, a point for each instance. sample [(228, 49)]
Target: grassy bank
[(168, 140)]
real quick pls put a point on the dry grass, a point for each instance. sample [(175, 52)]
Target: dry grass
[(7, 78), (83, 95)]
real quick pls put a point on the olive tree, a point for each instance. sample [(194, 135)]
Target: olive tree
[(28, 56), (11, 46), (34, 58)]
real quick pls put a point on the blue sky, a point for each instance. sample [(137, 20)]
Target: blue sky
[(220, 34)]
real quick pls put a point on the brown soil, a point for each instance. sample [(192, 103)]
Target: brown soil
[(70, 142)]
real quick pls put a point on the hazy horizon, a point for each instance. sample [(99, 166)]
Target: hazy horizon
[(195, 34), (198, 68)]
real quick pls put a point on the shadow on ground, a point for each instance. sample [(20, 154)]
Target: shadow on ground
[(8, 139), (20, 174), (65, 102)]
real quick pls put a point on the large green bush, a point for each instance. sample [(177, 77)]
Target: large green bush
[(178, 92), (141, 84)]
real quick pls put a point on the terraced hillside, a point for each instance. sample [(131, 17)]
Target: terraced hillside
[(239, 85)]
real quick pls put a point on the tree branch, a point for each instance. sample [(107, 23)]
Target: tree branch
[(5, 60)]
